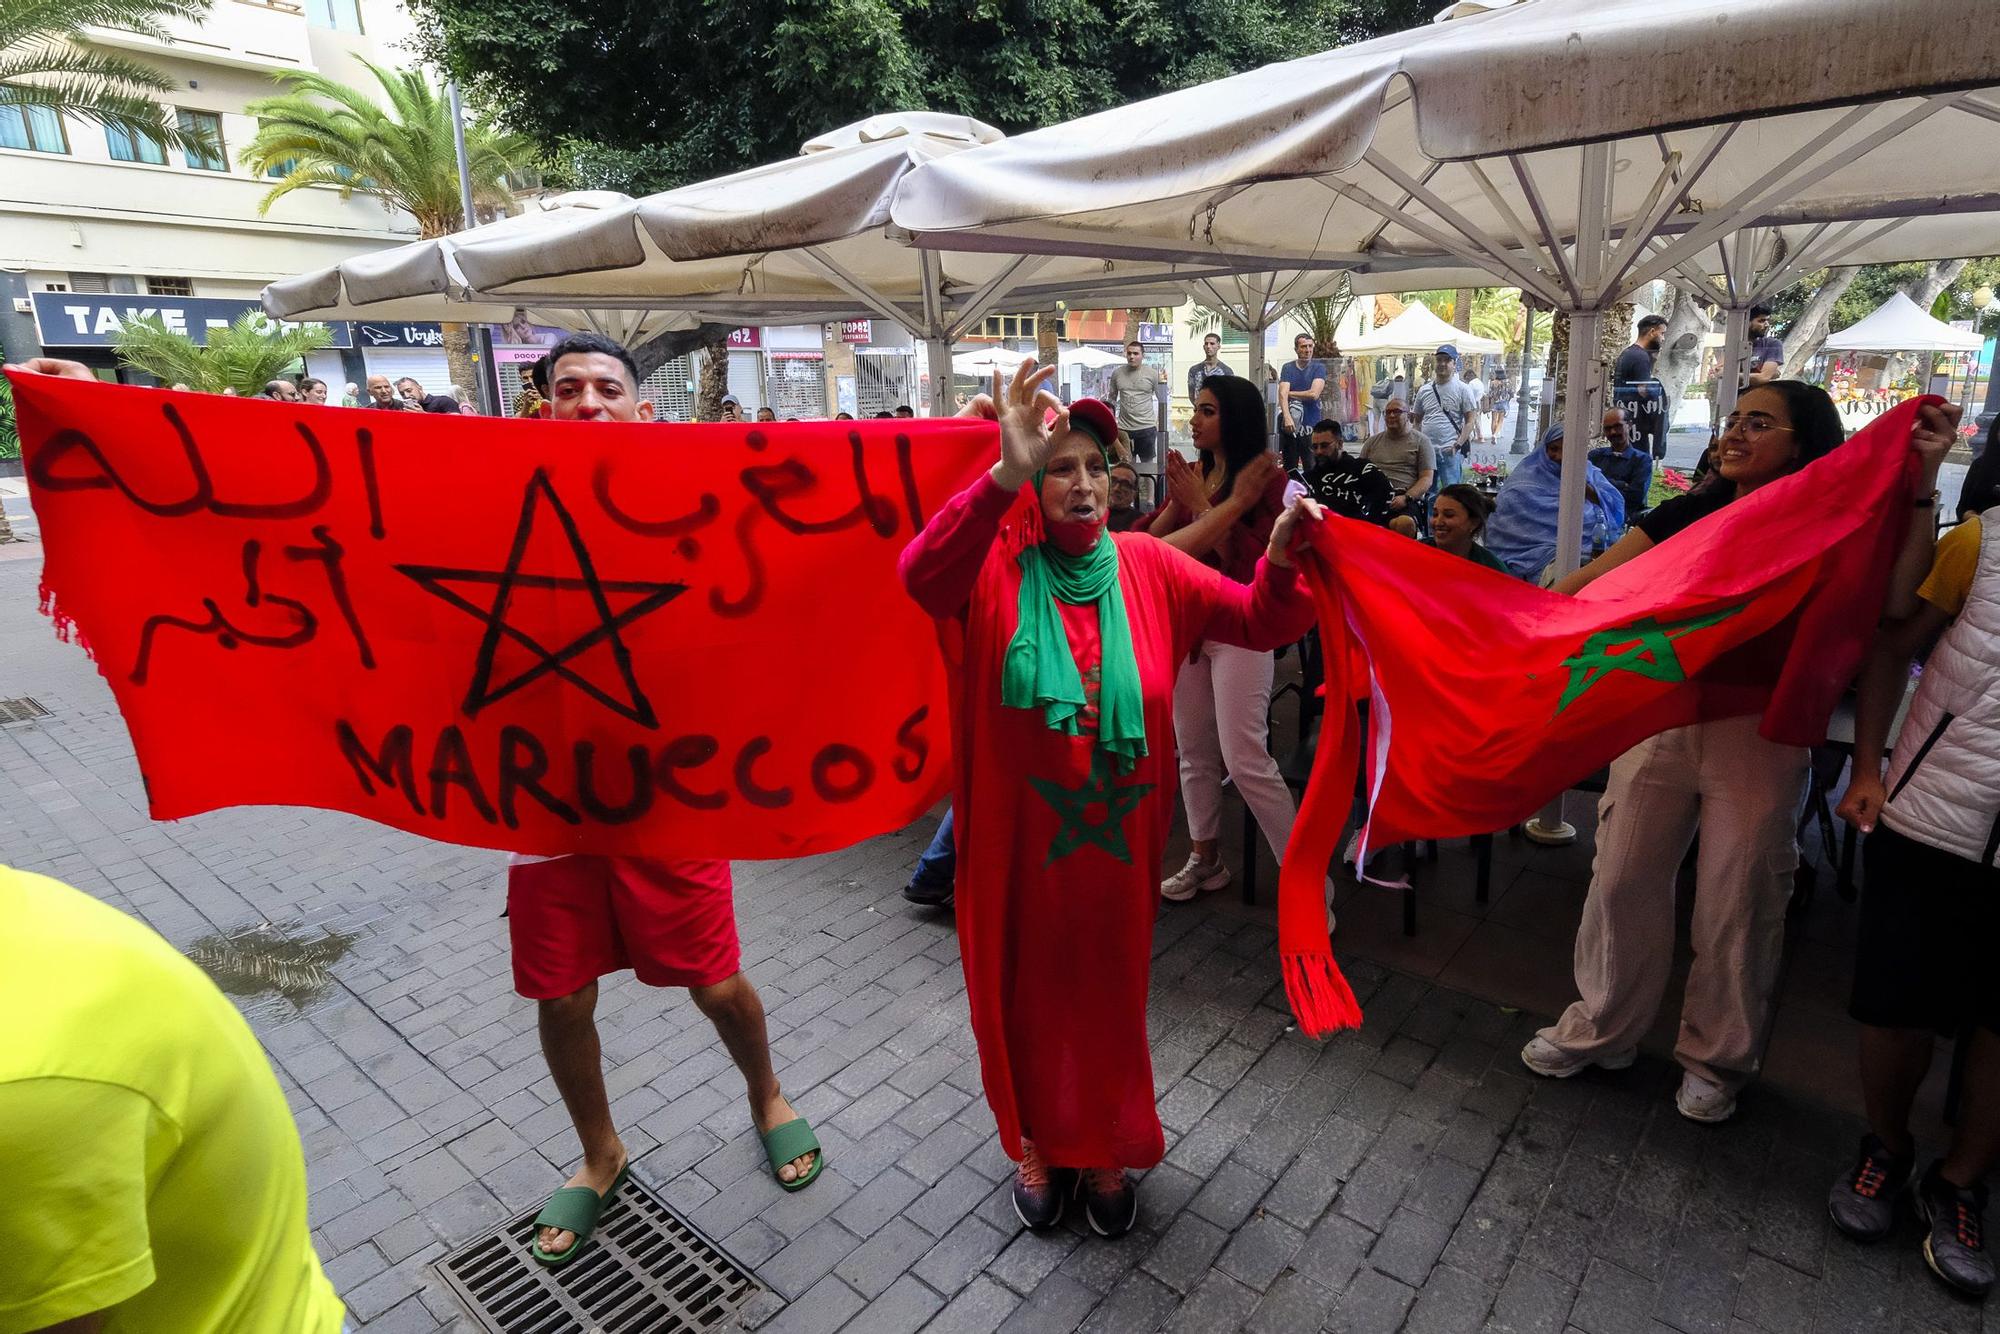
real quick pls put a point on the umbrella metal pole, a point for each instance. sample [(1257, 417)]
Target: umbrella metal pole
[(1735, 346), (937, 357), (1582, 390)]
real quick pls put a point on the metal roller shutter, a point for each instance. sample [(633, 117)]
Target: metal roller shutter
[(426, 365)]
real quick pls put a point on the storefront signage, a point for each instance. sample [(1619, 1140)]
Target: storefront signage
[(1156, 333), (73, 319), (397, 334), (746, 338), (857, 331)]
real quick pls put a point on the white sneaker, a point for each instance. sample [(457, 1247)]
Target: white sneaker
[(1699, 1100), (1197, 877), (1547, 1059)]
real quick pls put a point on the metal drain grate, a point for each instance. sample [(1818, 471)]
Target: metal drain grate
[(20, 710), (647, 1271)]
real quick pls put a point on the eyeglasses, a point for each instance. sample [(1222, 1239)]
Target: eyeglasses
[(1752, 425)]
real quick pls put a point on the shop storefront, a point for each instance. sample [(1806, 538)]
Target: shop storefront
[(84, 327), (397, 349)]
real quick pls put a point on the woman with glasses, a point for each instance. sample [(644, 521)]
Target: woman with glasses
[(1742, 790)]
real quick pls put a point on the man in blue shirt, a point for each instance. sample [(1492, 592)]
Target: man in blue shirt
[(1630, 470), (1300, 384)]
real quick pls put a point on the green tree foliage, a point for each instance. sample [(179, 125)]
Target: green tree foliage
[(46, 62), (399, 149), (1876, 283), (10, 440), (645, 96), (245, 357)]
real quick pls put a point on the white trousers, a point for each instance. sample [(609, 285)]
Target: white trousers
[(1221, 718), (1743, 792)]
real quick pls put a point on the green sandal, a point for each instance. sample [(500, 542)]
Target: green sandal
[(573, 1209), (794, 1139)]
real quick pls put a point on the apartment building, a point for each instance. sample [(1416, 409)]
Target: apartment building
[(97, 225)]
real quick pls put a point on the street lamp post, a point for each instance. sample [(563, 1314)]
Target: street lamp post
[(484, 388), (1521, 434)]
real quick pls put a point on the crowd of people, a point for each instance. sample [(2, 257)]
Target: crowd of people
[(1106, 653)]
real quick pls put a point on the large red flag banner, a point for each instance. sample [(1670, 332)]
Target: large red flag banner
[(548, 637), (1488, 697)]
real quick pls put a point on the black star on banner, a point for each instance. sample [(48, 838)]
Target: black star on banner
[(484, 690)]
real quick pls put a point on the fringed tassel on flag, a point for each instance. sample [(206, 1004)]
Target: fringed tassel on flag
[(61, 621), (1320, 997), (1319, 994)]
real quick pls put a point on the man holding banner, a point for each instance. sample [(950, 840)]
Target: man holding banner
[(573, 919)]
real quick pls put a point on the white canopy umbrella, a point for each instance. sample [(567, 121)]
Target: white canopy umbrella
[(421, 280), (1417, 333), (1515, 143), (1901, 325), (812, 234)]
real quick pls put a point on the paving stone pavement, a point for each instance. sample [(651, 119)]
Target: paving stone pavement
[(1405, 1176)]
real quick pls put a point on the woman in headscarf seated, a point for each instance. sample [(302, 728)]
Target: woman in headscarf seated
[(1064, 641), (1522, 531)]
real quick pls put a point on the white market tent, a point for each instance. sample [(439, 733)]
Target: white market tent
[(1900, 325), (1515, 143), (1088, 357), (1417, 333)]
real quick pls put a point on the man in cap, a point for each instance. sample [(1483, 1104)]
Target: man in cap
[(1446, 409)]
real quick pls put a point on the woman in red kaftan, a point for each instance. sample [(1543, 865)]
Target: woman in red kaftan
[(1063, 808)]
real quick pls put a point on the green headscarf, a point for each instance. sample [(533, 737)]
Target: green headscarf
[(1039, 670)]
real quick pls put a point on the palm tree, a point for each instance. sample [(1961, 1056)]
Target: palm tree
[(245, 357), (323, 132), (47, 65)]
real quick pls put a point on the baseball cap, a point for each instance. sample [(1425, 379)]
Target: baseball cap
[(1094, 417), (731, 398), (1449, 350)]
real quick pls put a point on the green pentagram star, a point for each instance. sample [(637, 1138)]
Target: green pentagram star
[(1072, 805), (1644, 648)]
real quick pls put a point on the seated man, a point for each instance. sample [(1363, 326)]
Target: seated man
[(1345, 484), (1405, 456), (154, 1177), (1125, 507), (1630, 469)]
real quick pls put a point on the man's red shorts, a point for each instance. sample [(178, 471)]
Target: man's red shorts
[(577, 918)]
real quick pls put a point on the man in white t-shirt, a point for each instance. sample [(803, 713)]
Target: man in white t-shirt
[(1445, 408)]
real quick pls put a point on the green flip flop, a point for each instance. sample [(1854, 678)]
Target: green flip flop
[(573, 1209), (794, 1139)]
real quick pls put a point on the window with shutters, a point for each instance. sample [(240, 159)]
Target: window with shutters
[(90, 282), (156, 286), (795, 387)]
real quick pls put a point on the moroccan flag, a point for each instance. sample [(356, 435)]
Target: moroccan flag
[(685, 641), (1488, 697)]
